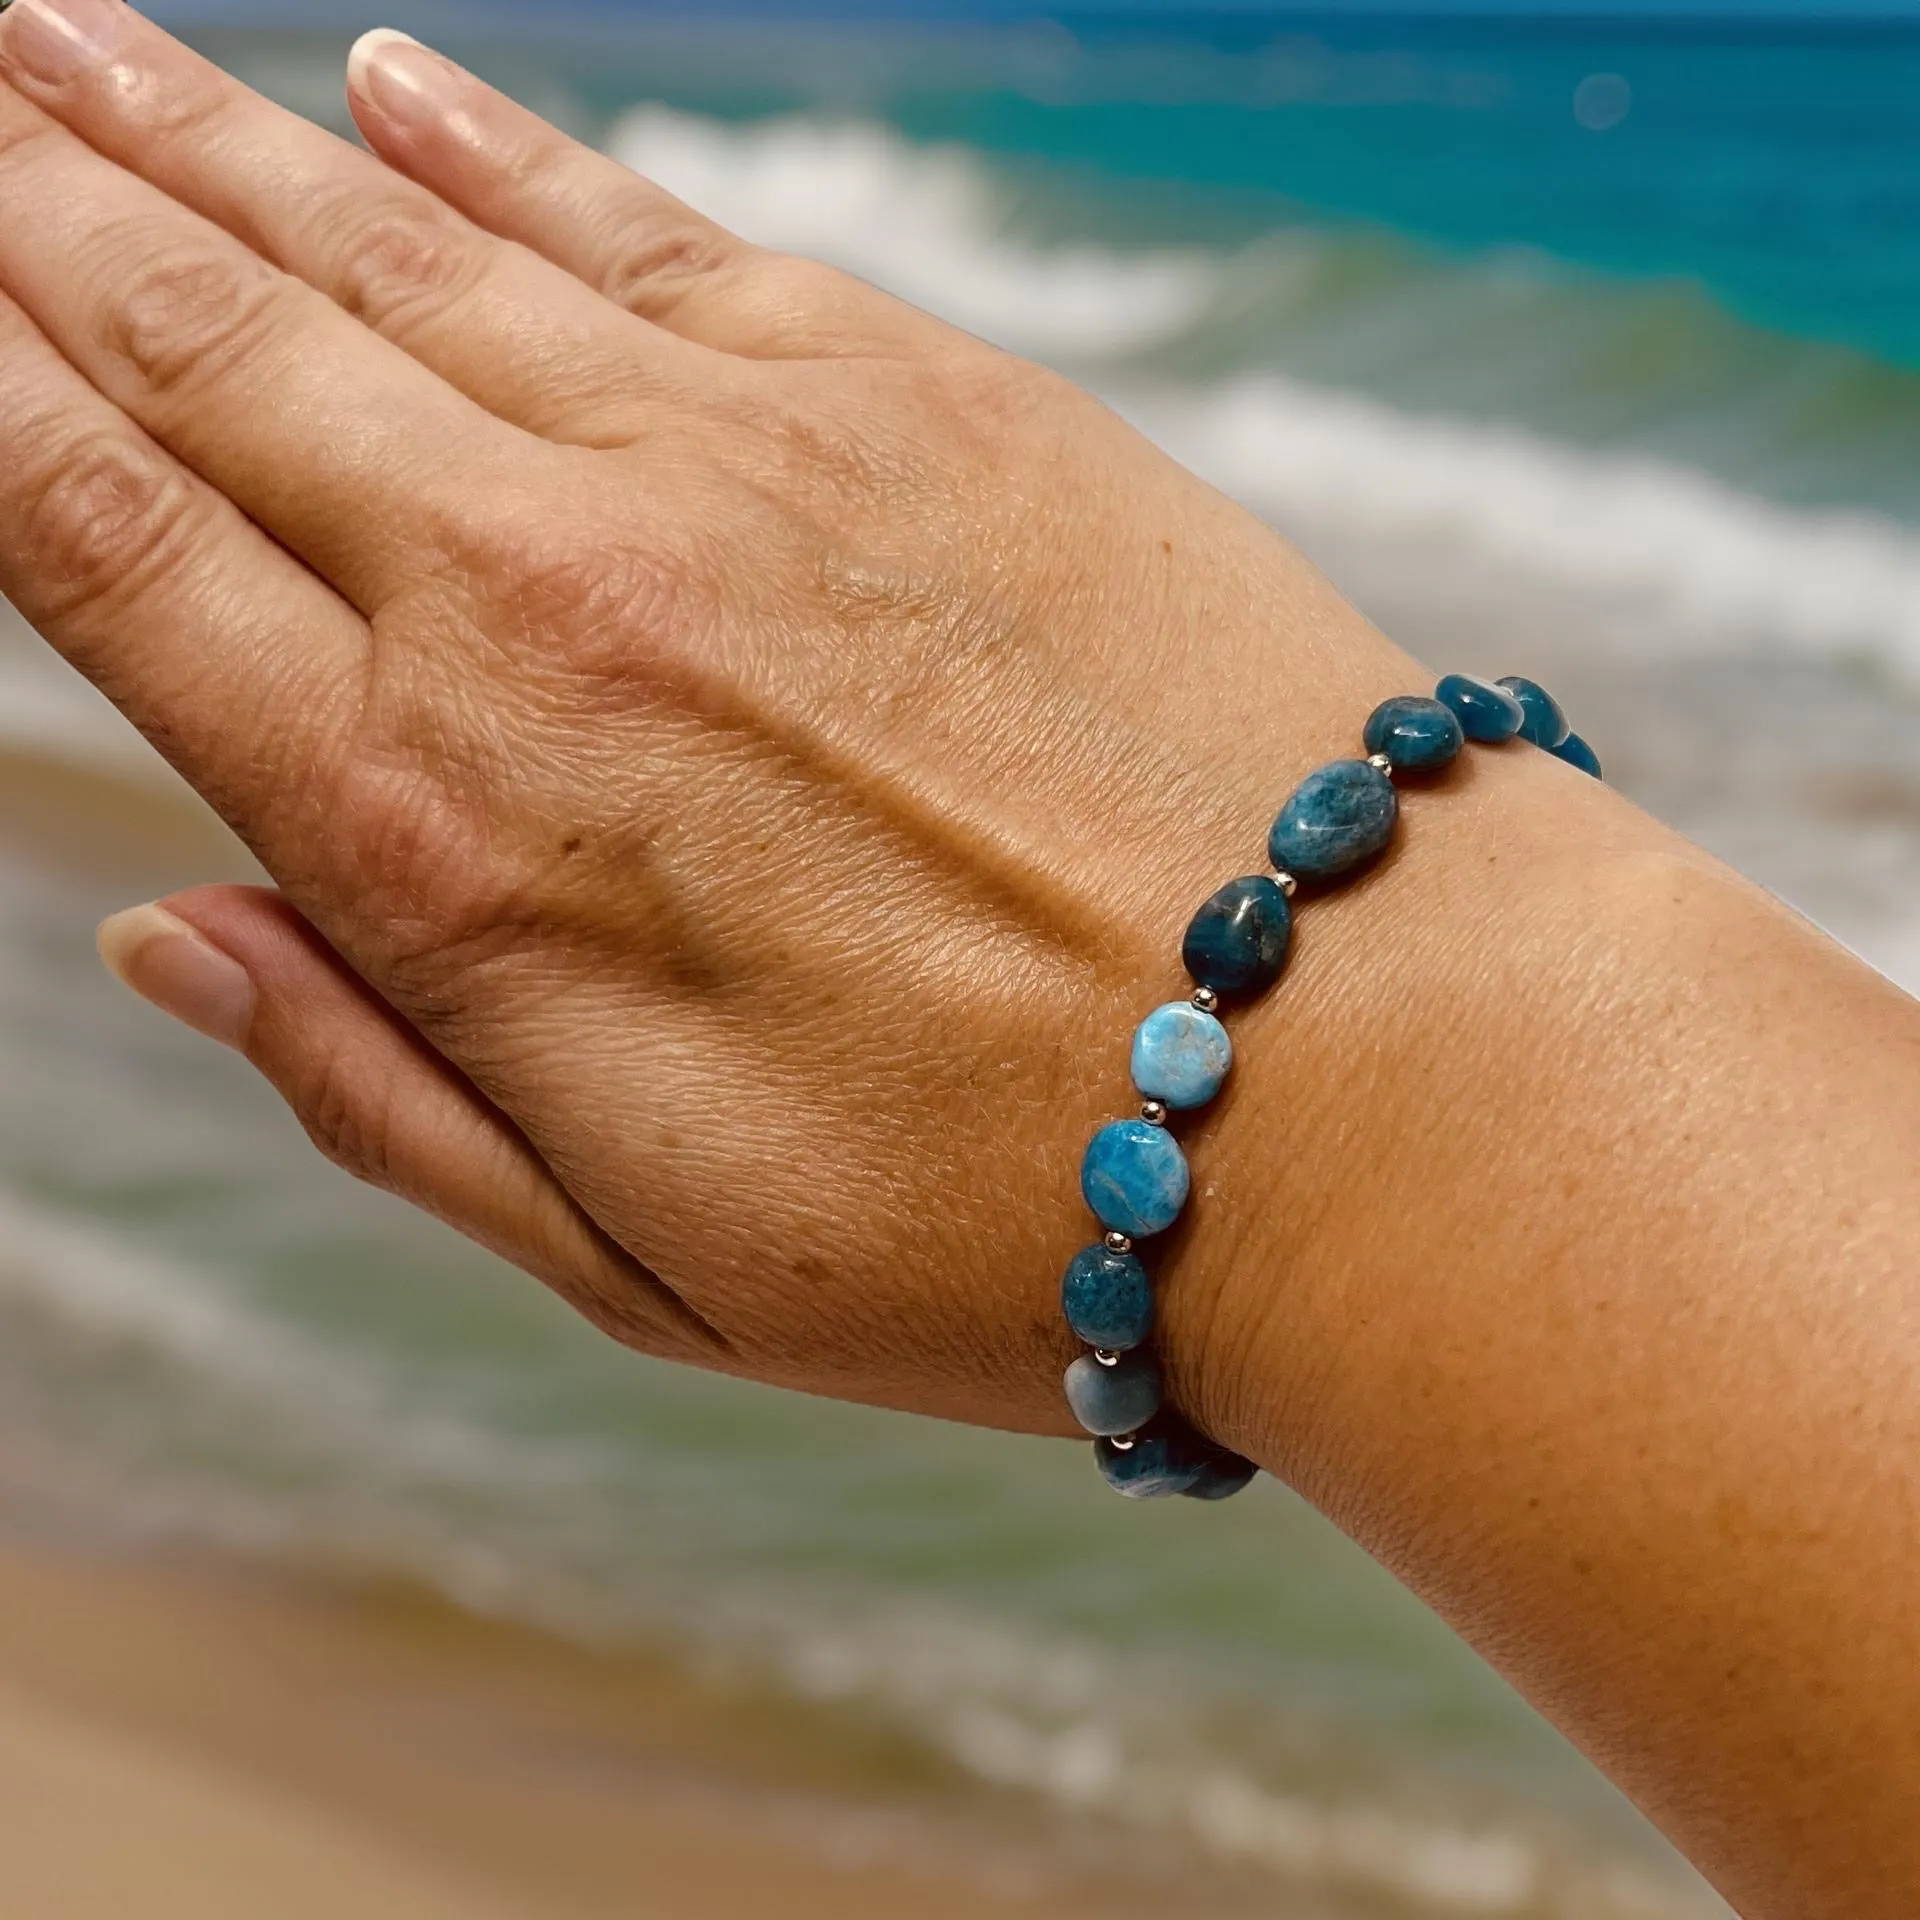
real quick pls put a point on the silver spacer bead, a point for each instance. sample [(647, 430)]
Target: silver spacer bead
[(1206, 1000), (1106, 1358), (1122, 1442), (1118, 1243), (1285, 882), (1154, 1113), (1380, 764)]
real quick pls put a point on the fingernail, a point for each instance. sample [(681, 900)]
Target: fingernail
[(58, 40), (177, 969), (393, 72)]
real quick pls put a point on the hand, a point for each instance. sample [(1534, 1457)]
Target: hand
[(737, 755)]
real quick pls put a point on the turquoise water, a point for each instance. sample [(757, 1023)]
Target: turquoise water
[(1590, 353)]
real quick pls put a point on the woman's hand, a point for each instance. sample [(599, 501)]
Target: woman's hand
[(738, 755)]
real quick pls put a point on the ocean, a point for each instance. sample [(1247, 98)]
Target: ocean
[(1579, 350)]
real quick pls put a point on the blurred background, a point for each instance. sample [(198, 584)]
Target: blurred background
[(1571, 345)]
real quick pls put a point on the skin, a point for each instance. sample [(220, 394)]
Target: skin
[(737, 756)]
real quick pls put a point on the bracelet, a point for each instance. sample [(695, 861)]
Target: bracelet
[(1134, 1175)]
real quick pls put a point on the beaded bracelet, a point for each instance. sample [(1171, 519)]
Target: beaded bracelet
[(1134, 1175)]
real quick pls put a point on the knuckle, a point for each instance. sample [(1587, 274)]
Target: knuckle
[(398, 258), (110, 510), (353, 1121), (188, 311), (654, 263)]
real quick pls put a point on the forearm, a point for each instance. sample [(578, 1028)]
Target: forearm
[(1575, 1277)]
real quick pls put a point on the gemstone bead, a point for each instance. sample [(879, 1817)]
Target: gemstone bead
[(1238, 941), (1181, 1055), (1338, 819), (1542, 721), (1417, 735), (1486, 713), (1163, 1460), (1576, 753), (1114, 1400), (1135, 1178), (1108, 1299), (1222, 1475)]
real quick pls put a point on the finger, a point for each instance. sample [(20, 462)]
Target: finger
[(221, 647), (340, 445), (521, 178), (510, 329), (240, 966)]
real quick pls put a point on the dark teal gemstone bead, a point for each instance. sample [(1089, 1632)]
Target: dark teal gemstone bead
[(1417, 735), (1486, 713), (1135, 1178), (1576, 753), (1117, 1399), (1108, 1299), (1222, 1475), (1168, 1458), (1238, 941), (1339, 818), (1542, 722)]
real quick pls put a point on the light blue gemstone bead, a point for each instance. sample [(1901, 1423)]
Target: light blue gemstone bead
[(1543, 722), (1135, 1178), (1181, 1055), (1118, 1399), (1486, 713), (1576, 753), (1340, 818), (1168, 1459)]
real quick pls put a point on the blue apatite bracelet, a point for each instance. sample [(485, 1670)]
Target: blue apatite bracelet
[(1134, 1175)]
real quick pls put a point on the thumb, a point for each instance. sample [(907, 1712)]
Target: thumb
[(241, 966)]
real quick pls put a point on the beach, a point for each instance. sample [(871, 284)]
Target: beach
[(343, 1572)]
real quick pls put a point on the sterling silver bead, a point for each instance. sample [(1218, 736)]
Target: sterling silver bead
[(1105, 1358), (1380, 764), (1118, 1243), (1122, 1442), (1285, 882), (1206, 1000), (1154, 1113)]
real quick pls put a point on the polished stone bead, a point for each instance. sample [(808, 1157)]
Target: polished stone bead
[(1168, 1458), (1222, 1475), (1542, 721), (1181, 1055), (1338, 819), (1108, 1299), (1135, 1178), (1576, 753), (1118, 1399), (1238, 941), (1417, 735), (1486, 713)]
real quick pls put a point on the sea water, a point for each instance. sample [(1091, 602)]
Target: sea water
[(1591, 354)]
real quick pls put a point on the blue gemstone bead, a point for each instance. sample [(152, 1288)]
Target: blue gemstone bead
[(1167, 1458), (1486, 713), (1417, 735), (1118, 1399), (1542, 721), (1108, 1299), (1135, 1178), (1338, 819), (1222, 1475), (1238, 941), (1181, 1055), (1576, 753)]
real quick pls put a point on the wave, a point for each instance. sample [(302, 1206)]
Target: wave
[(1409, 424)]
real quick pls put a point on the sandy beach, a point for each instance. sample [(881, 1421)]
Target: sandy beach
[(191, 1739)]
